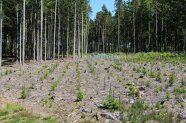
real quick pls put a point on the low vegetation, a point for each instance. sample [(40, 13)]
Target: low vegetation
[(42, 68), (159, 77), (117, 65), (91, 67), (179, 90), (24, 92), (172, 79), (144, 114), (155, 92), (153, 57), (14, 113), (158, 89), (48, 72), (133, 89), (110, 102), (80, 93), (152, 74), (5, 73), (55, 84)]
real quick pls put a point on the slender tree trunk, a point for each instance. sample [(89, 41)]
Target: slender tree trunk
[(38, 43), (162, 30), (34, 47), (26, 33), (17, 42), (31, 35), (134, 32), (184, 43), (156, 29), (82, 34), (41, 46), (59, 38), (1, 27), (86, 42), (68, 35), (74, 47), (49, 40), (45, 37), (99, 40), (20, 43), (110, 45), (165, 38), (24, 28), (177, 31), (34, 43), (79, 45), (54, 48), (118, 47), (50, 37), (149, 25), (103, 38)]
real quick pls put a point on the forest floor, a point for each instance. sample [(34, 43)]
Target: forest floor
[(109, 88)]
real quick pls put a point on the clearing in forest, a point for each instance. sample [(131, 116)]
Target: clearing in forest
[(96, 88)]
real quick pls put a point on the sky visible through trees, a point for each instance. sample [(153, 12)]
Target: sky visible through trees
[(97, 4)]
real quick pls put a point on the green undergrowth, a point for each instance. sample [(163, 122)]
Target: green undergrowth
[(179, 90), (14, 113), (117, 65), (24, 92), (110, 102), (92, 67), (5, 73), (133, 89), (103, 56), (55, 84), (42, 68), (153, 57), (80, 93), (139, 112), (48, 72)]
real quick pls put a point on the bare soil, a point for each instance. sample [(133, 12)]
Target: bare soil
[(96, 82)]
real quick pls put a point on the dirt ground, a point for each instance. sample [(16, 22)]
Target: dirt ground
[(97, 78)]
